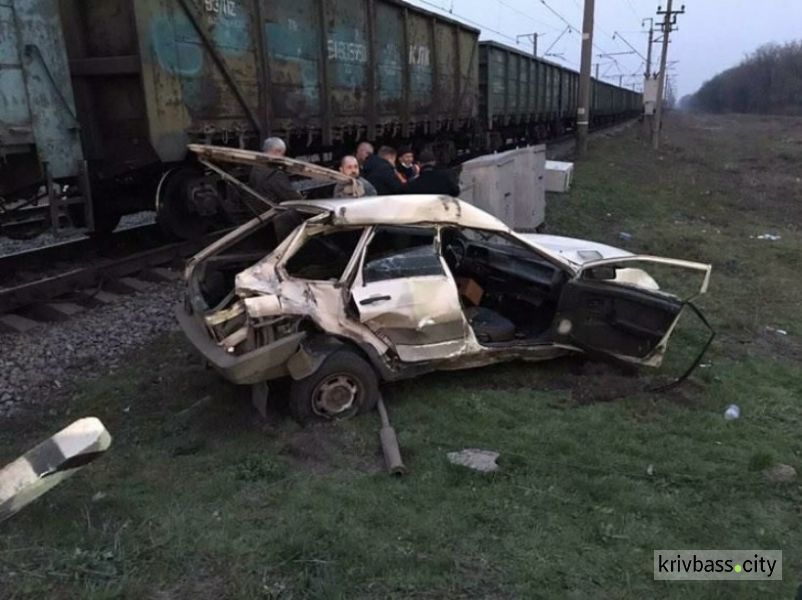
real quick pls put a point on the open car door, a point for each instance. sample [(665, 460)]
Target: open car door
[(614, 307), (405, 294)]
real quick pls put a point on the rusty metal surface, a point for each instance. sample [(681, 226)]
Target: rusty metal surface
[(385, 64), (105, 66), (36, 99), (201, 73), (518, 88), (16, 131)]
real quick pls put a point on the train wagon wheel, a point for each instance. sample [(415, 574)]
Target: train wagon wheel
[(186, 205)]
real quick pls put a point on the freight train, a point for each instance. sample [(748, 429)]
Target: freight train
[(99, 98)]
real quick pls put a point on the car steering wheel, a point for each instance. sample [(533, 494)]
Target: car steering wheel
[(457, 251)]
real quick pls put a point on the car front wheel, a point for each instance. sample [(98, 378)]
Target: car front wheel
[(345, 385)]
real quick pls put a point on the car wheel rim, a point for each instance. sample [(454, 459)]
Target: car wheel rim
[(336, 396)]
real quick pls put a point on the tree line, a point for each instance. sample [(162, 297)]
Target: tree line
[(768, 81)]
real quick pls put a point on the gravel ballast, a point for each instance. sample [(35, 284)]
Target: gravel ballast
[(44, 362), (11, 246)]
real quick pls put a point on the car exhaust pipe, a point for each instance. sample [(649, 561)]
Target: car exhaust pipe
[(389, 442)]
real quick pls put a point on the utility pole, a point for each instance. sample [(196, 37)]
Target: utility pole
[(648, 118), (649, 47), (669, 19), (583, 109), (534, 41)]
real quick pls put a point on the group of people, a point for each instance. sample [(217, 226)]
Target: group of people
[(388, 172), (383, 173)]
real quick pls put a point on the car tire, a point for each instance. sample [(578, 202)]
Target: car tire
[(344, 386)]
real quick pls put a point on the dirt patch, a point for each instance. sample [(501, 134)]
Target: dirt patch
[(589, 382), (205, 587), (602, 382), (774, 343), (765, 165), (326, 447)]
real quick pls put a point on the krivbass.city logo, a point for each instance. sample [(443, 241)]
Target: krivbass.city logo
[(710, 565)]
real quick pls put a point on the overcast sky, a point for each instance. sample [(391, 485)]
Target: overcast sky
[(713, 34)]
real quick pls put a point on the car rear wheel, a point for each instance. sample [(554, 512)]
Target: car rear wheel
[(345, 385)]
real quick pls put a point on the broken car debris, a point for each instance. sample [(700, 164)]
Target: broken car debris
[(366, 290), (483, 461)]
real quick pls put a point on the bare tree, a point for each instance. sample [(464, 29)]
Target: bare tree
[(767, 81), (671, 95)]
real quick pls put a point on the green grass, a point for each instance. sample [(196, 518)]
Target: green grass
[(209, 503)]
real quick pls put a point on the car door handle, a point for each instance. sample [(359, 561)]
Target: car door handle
[(374, 299)]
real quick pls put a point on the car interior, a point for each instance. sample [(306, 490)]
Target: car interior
[(510, 294)]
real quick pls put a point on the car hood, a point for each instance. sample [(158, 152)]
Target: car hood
[(574, 250)]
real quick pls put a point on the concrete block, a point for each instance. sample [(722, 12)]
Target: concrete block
[(508, 185), (17, 324), (128, 285), (56, 311), (104, 297), (559, 176), (159, 275)]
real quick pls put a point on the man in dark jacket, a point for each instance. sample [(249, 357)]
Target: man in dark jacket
[(380, 171), (433, 179), (407, 167), (275, 185)]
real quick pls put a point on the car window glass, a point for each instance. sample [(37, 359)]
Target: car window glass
[(400, 252), (324, 257)]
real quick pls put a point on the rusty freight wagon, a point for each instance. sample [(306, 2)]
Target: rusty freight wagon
[(99, 98), (103, 96), (524, 98)]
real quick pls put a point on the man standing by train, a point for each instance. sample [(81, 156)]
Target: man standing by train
[(269, 181), (349, 165), (407, 167), (433, 179), (380, 171), (275, 185), (363, 152)]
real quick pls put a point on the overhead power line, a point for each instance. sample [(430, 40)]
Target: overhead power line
[(467, 20), (573, 28), (522, 13), (559, 16), (632, 8), (623, 39)]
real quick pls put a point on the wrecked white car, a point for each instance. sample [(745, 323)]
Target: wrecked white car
[(377, 289)]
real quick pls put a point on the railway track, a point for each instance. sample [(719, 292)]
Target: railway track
[(119, 266), (44, 257)]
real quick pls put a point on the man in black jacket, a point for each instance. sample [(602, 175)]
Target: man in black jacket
[(433, 179), (380, 170), (275, 185)]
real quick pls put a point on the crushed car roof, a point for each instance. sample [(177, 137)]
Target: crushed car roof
[(402, 210)]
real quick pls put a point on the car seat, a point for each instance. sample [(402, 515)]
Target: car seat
[(489, 326)]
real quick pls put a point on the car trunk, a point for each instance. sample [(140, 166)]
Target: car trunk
[(211, 296)]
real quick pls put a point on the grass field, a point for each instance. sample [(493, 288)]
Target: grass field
[(210, 503)]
